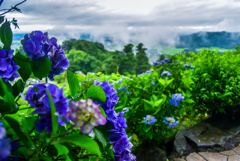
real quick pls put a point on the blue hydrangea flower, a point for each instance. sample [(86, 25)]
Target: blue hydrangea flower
[(5, 146), (149, 71), (176, 99), (149, 119), (85, 114), (8, 68), (37, 97), (165, 72), (167, 60), (127, 92), (153, 83), (120, 81), (33, 44), (156, 63), (122, 88), (191, 66), (117, 135), (186, 66), (56, 54), (170, 121), (37, 44)]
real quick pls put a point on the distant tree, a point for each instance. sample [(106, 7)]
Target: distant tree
[(141, 59), (161, 57), (69, 44), (129, 62)]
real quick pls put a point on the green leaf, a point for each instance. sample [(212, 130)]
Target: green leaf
[(18, 87), (6, 35), (25, 66), (160, 102), (162, 81), (83, 141), (29, 122), (100, 137), (73, 83), (41, 67), (7, 105), (189, 100), (103, 112), (62, 150), (53, 114), (96, 92), (16, 126), (169, 82)]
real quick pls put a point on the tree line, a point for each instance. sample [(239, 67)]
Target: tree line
[(89, 56)]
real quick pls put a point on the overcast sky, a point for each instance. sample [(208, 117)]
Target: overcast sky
[(147, 21)]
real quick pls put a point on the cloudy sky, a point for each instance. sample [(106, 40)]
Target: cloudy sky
[(147, 21)]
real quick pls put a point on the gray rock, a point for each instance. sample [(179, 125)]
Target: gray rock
[(180, 142), (214, 135)]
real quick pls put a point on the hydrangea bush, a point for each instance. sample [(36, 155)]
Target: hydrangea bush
[(44, 122)]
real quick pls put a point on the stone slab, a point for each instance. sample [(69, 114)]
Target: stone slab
[(179, 159), (237, 150), (194, 157), (228, 153), (234, 158), (213, 156)]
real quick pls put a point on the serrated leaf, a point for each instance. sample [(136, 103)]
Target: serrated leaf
[(100, 137), (73, 83), (25, 66), (6, 35), (96, 92), (53, 114), (41, 67), (82, 141)]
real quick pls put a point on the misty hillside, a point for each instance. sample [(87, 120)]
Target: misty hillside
[(226, 40)]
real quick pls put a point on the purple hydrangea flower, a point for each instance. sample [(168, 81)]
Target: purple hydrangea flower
[(170, 121), (162, 61), (37, 44), (56, 54), (153, 83), (149, 119), (5, 146), (176, 99), (117, 136), (85, 114), (37, 97), (8, 68), (165, 72), (33, 44)]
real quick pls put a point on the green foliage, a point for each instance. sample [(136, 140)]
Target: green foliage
[(96, 92), (41, 67), (216, 82), (6, 35), (73, 83)]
